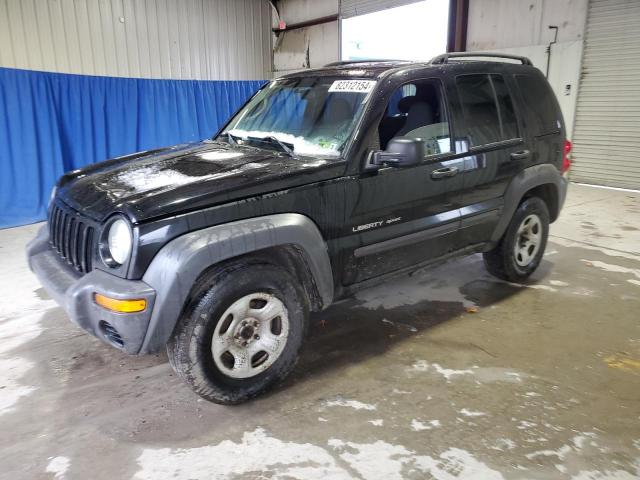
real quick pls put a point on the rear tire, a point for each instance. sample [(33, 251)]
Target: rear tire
[(520, 250), (241, 333)]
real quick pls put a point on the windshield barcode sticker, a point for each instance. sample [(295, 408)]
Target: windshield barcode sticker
[(355, 86)]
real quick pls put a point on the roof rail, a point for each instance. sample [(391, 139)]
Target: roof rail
[(371, 60), (444, 58)]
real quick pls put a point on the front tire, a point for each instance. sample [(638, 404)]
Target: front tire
[(520, 250), (241, 333)]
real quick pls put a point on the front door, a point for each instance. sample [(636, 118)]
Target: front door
[(401, 217)]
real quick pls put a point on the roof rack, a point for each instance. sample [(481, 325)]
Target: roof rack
[(444, 58), (371, 60)]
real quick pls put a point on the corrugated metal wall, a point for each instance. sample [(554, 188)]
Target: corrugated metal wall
[(351, 8), (185, 39), (606, 138)]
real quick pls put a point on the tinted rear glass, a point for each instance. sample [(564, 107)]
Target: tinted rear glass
[(540, 102)]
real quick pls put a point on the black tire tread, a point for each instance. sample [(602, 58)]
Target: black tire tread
[(499, 262), (184, 346)]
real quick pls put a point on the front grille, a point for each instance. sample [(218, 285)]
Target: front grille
[(72, 237)]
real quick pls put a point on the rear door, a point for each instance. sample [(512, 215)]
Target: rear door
[(542, 115), (488, 130), (401, 217)]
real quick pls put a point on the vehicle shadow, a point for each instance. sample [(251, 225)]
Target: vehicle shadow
[(378, 318)]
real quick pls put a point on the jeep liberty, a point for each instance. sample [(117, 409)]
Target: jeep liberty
[(324, 182)]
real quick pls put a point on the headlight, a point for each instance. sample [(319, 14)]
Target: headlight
[(119, 241)]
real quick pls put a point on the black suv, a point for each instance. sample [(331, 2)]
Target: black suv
[(325, 181)]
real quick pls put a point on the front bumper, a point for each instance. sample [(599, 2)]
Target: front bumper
[(74, 293)]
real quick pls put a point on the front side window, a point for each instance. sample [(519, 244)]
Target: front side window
[(312, 116), (487, 109), (417, 110)]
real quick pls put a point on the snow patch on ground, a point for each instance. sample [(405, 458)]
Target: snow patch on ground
[(607, 475), (58, 466), (561, 453), (355, 404), (448, 373), (417, 425), (612, 253), (378, 422), (607, 267), (257, 455), (480, 374), (470, 413), (382, 460), (502, 444), (13, 334), (547, 288)]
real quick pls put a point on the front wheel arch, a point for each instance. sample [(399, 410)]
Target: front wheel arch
[(180, 263)]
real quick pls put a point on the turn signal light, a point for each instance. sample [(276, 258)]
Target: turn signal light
[(121, 306)]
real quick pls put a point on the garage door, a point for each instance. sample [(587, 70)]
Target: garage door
[(606, 139), (351, 8)]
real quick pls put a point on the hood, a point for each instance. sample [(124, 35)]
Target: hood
[(163, 182)]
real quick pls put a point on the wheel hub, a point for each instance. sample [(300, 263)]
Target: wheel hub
[(528, 240), (246, 331), (250, 335)]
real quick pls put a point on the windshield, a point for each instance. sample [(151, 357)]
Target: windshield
[(310, 116)]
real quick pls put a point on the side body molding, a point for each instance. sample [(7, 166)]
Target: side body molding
[(176, 267), (527, 179)]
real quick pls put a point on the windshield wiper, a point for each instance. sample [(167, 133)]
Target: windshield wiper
[(275, 141), (232, 139)]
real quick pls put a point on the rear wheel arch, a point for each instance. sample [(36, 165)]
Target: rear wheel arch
[(548, 193), (543, 181)]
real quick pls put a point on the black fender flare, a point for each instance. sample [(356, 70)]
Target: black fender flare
[(178, 265), (526, 180)]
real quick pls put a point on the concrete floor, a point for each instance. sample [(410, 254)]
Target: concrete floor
[(447, 374)]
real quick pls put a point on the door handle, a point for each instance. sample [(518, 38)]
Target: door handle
[(521, 155), (444, 173)]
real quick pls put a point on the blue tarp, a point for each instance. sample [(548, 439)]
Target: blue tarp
[(51, 123)]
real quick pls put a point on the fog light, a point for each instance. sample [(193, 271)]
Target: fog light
[(122, 306)]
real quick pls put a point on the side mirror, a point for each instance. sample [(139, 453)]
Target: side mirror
[(400, 152)]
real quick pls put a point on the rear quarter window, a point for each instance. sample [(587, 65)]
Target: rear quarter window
[(539, 100)]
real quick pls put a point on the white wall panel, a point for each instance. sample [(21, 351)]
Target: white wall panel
[(496, 24), (185, 39), (307, 47)]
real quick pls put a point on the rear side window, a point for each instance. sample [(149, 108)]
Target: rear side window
[(539, 100), (487, 108)]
